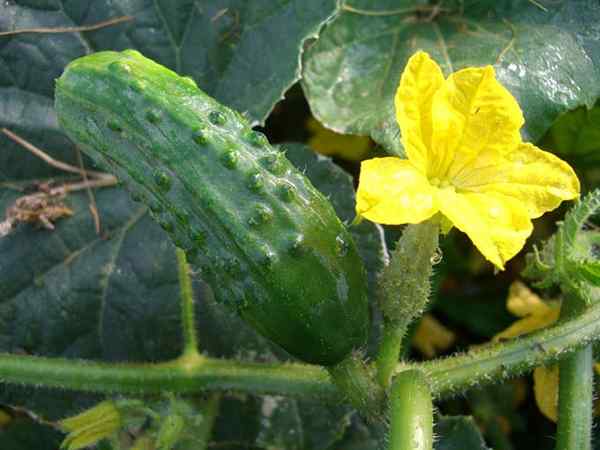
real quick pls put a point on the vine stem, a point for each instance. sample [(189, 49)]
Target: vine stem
[(446, 377), (575, 393), (411, 413), (356, 383), (188, 322)]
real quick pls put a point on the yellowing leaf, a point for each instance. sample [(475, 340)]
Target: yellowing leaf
[(330, 143), (392, 191), (432, 337), (5, 418), (535, 313), (523, 302), (545, 388)]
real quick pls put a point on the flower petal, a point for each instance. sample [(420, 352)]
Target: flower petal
[(472, 111), (392, 191), (421, 78), (545, 388), (498, 225), (539, 179)]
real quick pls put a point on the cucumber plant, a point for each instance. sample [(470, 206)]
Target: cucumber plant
[(268, 243)]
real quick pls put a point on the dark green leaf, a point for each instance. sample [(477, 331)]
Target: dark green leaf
[(575, 136), (547, 53), (279, 422), (24, 434), (225, 45), (458, 433)]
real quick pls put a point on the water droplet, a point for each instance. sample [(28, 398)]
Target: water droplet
[(162, 180), (256, 139), (230, 159), (256, 182), (286, 191), (114, 126), (495, 212), (217, 118), (153, 116), (341, 246), (268, 256), (261, 214), (297, 244)]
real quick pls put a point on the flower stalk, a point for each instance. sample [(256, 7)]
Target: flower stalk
[(404, 291)]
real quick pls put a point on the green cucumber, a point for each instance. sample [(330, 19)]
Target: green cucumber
[(267, 242)]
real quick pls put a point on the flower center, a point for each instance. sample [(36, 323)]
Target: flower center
[(440, 183)]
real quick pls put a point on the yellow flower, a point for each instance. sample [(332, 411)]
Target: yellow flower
[(466, 160)]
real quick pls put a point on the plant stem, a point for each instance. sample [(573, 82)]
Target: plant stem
[(188, 322), (575, 394), (411, 413), (446, 377), (404, 289), (389, 350), (353, 379)]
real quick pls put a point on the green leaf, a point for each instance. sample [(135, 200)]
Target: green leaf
[(225, 45), (575, 136), (570, 258), (249, 422), (351, 74), (24, 434), (458, 433)]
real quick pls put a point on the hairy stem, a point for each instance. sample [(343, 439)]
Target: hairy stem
[(575, 394), (188, 322), (404, 291), (411, 413), (446, 377), (353, 379)]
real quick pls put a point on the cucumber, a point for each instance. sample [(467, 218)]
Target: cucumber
[(267, 242)]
